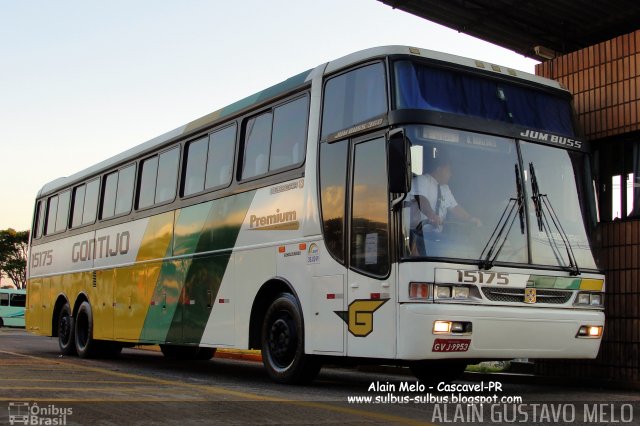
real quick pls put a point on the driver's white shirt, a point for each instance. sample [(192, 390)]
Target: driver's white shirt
[(427, 186)]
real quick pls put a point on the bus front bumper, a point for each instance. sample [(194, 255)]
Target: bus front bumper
[(498, 332)]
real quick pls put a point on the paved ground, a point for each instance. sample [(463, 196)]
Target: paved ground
[(141, 387)]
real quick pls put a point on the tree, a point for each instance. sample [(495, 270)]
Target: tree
[(13, 256)]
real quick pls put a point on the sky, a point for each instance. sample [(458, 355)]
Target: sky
[(82, 80)]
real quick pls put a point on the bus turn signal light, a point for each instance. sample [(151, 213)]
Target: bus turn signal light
[(419, 290)]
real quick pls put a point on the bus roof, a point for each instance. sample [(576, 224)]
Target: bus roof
[(281, 89)]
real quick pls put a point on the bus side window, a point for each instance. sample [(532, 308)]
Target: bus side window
[(117, 193), (39, 227), (90, 209), (276, 139), (147, 187), (109, 195), (4, 299), (85, 203), (256, 145), (52, 210), (209, 161), (196, 163), (289, 133), (220, 159), (167, 175), (159, 178), (78, 205), (18, 300), (124, 194), (354, 97), (63, 211)]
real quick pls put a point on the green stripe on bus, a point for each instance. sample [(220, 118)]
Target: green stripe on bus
[(563, 283), (186, 292)]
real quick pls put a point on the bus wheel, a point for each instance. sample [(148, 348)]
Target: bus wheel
[(283, 343), (85, 345), (66, 331), (1, 323), (434, 371)]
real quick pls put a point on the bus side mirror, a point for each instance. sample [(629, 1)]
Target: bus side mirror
[(399, 162)]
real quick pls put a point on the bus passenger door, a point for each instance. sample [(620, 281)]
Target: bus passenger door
[(371, 313)]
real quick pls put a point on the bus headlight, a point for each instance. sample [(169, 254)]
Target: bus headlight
[(589, 332), (460, 292), (594, 300), (454, 292), (452, 327), (441, 327), (442, 292)]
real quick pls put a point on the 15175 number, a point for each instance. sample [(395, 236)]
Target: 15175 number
[(483, 277), (43, 258)]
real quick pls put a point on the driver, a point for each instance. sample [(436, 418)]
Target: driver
[(434, 197)]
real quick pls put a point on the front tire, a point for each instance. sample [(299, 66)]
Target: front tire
[(66, 331), (283, 343)]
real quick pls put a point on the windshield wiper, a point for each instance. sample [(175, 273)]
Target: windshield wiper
[(503, 227), (541, 203)]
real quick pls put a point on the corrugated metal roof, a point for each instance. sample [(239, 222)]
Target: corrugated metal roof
[(560, 25)]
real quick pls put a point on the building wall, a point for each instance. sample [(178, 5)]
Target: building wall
[(617, 246), (605, 81)]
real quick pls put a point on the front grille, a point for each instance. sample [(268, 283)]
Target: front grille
[(516, 295)]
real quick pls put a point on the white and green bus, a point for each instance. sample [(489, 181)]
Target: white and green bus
[(12, 305), (396, 206)]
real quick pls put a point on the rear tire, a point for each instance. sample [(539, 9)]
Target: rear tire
[(86, 347), (435, 371), (1, 323), (66, 331), (283, 343)]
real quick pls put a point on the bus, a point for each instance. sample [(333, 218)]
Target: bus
[(12, 307), (396, 206)]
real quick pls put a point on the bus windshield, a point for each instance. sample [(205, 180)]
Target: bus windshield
[(419, 86), (468, 194)]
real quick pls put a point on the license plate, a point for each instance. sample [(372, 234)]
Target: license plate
[(451, 345)]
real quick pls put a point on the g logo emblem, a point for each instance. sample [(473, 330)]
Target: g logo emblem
[(359, 317)]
